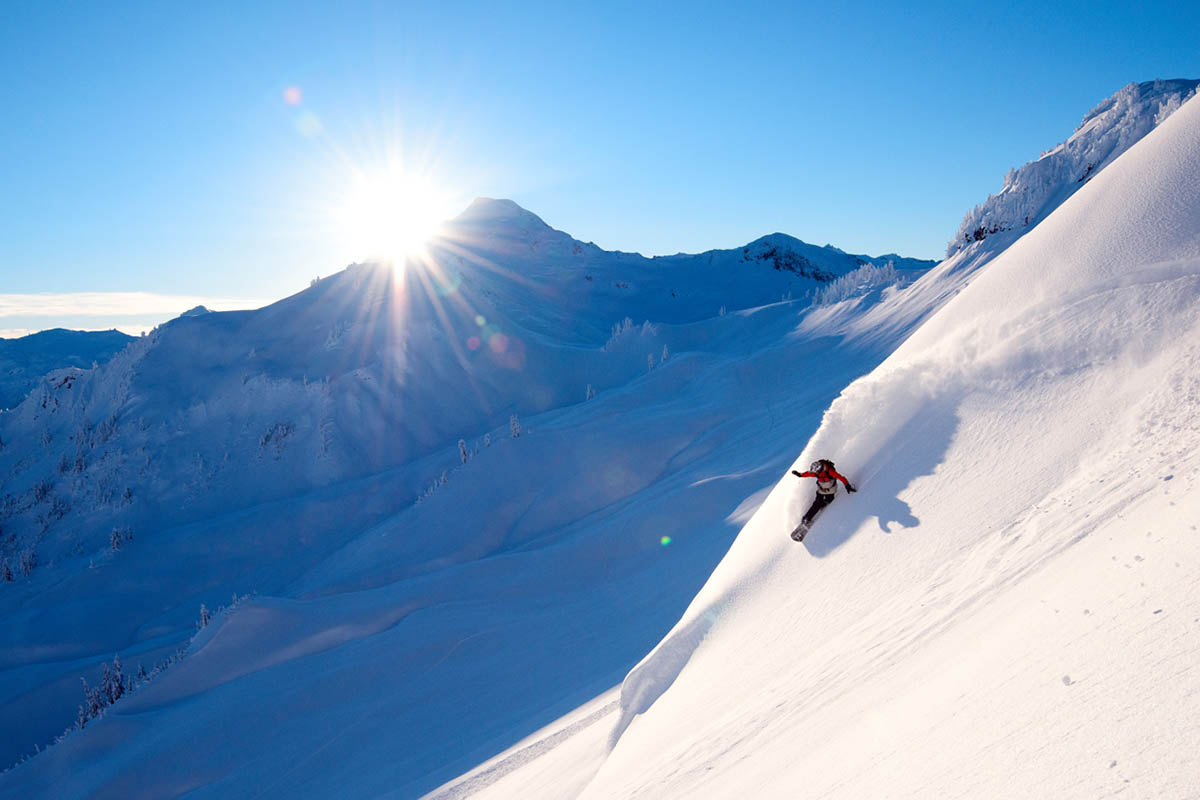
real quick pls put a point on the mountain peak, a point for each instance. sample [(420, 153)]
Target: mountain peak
[(488, 210)]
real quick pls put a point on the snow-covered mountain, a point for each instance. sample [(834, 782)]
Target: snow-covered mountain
[(26, 359), (311, 449), (365, 371), (1009, 606), (573, 291)]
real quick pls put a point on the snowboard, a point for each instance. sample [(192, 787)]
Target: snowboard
[(800, 532)]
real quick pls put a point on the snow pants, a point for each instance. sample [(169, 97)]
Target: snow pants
[(818, 504)]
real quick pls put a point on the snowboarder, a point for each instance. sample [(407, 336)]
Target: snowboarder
[(827, 478)]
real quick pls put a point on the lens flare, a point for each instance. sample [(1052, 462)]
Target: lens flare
[(309, 124)]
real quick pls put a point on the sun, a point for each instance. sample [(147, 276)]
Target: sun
[(390, 216)]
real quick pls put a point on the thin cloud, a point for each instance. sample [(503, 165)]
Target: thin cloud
[(129, 312), (113, 304)]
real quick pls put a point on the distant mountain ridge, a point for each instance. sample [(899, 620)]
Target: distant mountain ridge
[(503, 216), (26, 359), (575, 289)]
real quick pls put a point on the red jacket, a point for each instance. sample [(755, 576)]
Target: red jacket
[(826, 480)]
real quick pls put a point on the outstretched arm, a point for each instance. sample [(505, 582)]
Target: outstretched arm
[(804, 474), (842, 478)]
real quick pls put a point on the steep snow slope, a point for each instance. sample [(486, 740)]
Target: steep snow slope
[(23, 361), (1009, 606)]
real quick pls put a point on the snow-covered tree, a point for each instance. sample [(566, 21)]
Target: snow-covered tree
[(855, 283), (5, 571), (618, 330), (462, 450), (205, 616), (114, 683), (93, 704), (591, 392), (649, 362), (514, 426), (118, 538), (28, 560), (665, 354)]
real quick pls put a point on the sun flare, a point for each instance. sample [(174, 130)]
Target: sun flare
[(390, 216)]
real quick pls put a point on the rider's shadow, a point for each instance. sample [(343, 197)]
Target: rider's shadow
[(896, 511)]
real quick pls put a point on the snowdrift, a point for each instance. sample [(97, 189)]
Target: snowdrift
[(1009, 605)]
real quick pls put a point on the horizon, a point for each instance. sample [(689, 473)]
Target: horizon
[(137, 313), (207, 157)]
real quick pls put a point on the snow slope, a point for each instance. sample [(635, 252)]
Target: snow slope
[(23, 361), (1008, 607)]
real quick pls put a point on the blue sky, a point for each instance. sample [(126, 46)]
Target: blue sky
[(149, 147)]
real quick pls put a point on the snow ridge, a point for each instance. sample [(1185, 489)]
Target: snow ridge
[(1107, 131)]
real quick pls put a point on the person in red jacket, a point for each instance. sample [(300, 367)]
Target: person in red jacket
[(827, 478)]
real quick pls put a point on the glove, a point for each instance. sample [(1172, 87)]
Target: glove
[(850, 488), (797, 474)]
